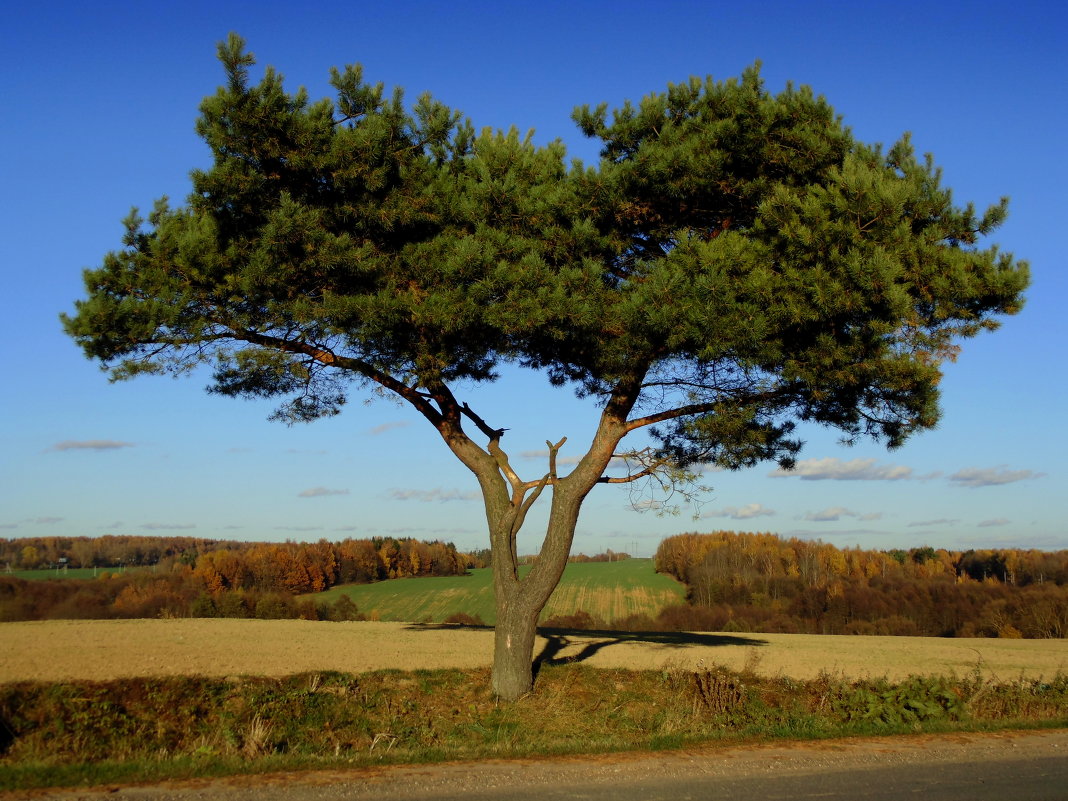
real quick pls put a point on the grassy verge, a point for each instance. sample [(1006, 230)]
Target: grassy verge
[(89, 733)]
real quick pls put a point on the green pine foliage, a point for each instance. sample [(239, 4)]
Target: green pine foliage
[(731, 241)]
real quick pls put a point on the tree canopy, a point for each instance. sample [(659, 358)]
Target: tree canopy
[(736, 262)]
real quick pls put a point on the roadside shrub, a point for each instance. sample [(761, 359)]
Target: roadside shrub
[(203, 606), (683, 617), (232, 604), (343, 609), (464, 619), (275, 606), (580, 620), (635, 622)]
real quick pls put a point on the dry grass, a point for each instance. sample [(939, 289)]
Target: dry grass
[(107, 649)]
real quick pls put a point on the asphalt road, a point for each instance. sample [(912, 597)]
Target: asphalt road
[(1014, 766)]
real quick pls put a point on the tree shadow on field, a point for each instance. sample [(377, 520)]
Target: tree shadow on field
[(557, 640)]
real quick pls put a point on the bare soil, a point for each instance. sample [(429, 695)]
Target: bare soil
[(108, 649)]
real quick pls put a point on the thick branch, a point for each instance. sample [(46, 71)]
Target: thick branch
[(669, 414), (704, 408), (331, 359), (634, 477)]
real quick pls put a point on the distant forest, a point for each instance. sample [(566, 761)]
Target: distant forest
[(138, 576), (207, 578), (764, 583), (735, 582)]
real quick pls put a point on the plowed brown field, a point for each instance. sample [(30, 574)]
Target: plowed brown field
[(106, 649)]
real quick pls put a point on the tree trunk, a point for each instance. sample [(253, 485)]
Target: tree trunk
[(507, 499), (519, 602), (513, 648)]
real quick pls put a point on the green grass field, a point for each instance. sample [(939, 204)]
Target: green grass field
[(607, 590), (67, 573)]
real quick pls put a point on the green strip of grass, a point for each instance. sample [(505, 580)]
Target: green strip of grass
[(69, 573), (56, 735), (609, 591)]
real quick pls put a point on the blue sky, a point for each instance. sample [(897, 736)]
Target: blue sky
[(100, 102)]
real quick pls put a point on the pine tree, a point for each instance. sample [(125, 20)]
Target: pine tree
[(735, 263)]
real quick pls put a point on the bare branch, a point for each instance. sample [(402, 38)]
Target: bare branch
[(483, 426), (630, 478)]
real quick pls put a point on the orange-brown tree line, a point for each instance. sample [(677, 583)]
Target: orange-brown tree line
[(206, 577), (763, 582)]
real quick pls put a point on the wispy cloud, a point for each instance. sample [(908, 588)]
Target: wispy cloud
[(543, 456), (433, 495), (167, 526), (647, 505), (90, 445), (298, 528), (45, 521), (833, 469), (841, 534), (9, 525), (384, 427), (321, 492), (941, 521), (746, 512), (838, 512), (973, 477), (996, 521)]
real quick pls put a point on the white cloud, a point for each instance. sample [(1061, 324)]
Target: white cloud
[(90, 445), (973, 477), (321, 492), (997, 521), (430, 496), (941, 521), (44, 521), (746, 512), (833, 469), (167, 526)]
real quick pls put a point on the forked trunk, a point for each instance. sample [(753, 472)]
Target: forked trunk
[(519, 602)]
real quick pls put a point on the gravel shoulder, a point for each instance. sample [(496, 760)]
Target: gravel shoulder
[(723, 770), (106, 649)]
